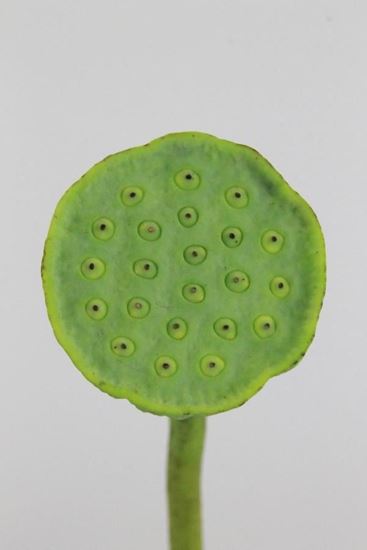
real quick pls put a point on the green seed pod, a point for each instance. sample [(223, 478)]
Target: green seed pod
[(185, 292)]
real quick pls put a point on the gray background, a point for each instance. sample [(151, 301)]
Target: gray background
[(80, 80)]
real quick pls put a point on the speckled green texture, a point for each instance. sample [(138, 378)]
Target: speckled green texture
[(194, 230)]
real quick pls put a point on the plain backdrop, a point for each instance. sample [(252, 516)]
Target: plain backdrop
[(82, 79)]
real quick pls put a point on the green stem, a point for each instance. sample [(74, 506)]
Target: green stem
[(184, 467)]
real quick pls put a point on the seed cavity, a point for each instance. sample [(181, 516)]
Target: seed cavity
[(188, 216), (122, 346), (145, 268), (195, 254), (232, 236), (138, 308), (165, 366), (93, 268), (131, 196), (187, 179), (149, 230), (211, 365), (272, 241), (177, 328), (193, 293), (103, 229), (264, 326), (280, 287), (96, 309), (225, 328), (236, 197), (237, 281)]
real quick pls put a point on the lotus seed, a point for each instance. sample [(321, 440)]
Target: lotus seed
[(96, 309), (131, 196), (232, 237), (177, 328), (225, 328), (264, 326), (187, 179), (236, 197), (145, 268), (103, 229), (93, 268), (149, 230), (193, 293), (272, 241), (211, 365), (188, 216), (195, 254), (237, 281), (138, 308), (165, 366), (280, 287), (122, 346)]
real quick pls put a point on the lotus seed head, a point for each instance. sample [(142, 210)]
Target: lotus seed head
[(184, 274)]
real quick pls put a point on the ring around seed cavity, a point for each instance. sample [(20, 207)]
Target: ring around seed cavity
[(187, 179), (272, 241), (122, 346), (264, 326), (211, 365), (165, 366), (93, 268), (103, 229), (138, 308), (188, 216), (195, 254), (131, 196), (237, 281), (149, 230), (193, 293), (236, 197), (225, 328), (232, 236), (96, 309), (177, 328), (279, 286), (146, 269)]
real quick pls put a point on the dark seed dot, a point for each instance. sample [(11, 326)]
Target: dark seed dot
[(165, 365), (188, 215), (138, 305), (193, 289), (232, 235), (95, 307), (146, 267), (237, 195), (123, 346), (236, 279), (280, 285), (91, 266), (194, 253), (132, 195), (212, 365), (225, 327), (274, 238), (175, 326), (102, 226), (266, 326), (188, 176)]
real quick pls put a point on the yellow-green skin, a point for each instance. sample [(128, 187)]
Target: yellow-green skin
[(232, 293)]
